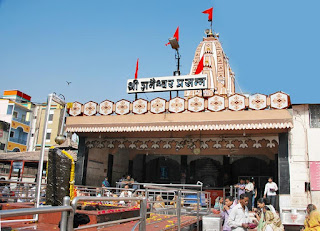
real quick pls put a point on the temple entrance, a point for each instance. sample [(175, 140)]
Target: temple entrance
[(213, 171), (163, 170), (206, 170)]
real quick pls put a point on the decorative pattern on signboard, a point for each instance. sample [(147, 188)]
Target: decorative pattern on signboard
[(176, 105), (106, 107), (158, 106), (237, 102), (140, 106), (196, 104), (122, 107), (279, 100), (216, 103), (257, 101), (90, 108)]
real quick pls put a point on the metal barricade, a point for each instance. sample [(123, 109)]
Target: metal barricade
[(19, 191), (141, 218), (200, 200), (41, 210)]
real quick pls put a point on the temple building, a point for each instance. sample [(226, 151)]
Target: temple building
[(214, 135)]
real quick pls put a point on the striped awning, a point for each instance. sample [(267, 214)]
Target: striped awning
[(226, 120)]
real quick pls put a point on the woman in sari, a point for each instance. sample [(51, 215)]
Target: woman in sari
[(312, 221), (271, 221), (263, 207)]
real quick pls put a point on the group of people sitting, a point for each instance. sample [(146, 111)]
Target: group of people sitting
[(235, 215)]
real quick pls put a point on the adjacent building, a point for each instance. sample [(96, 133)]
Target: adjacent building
[(15, 109), (54, 125), (4, 135)]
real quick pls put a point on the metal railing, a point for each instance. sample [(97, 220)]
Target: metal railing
[(177, 202), (19, 191), (182, 203), (142, 218), (66, 212), (136, 185)]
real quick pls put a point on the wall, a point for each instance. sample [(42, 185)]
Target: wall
[(298, 159), (313, 151), (96, 166), (120, 164), (3, 111)]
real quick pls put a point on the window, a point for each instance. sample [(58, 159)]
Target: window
[(15, 114), (48, 136), (50, 117), (314, 113), (9, 110), (23, 118), (12, 134)]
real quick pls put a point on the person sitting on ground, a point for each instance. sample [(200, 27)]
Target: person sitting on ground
[(218, 205), (159, 203), (312, 221), (264, 203), (24, 193), (174, 201), (129, 180), (239, 217), (5, 191), (105, 182), (272, 222), (125, 193), (126, 189)]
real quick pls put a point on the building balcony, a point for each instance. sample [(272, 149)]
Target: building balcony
[(17, 140), (20, 120)]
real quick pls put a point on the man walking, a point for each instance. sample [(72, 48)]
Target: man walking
[(239, 217), (270, 191), (226, 212)]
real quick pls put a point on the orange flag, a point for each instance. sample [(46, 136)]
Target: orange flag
[(199, 67), (176, 35), (137, 67), (209, 11)]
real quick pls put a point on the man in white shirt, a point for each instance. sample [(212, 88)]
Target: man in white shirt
[(239, 217), (249, 191), (125, 193), (270, 191)]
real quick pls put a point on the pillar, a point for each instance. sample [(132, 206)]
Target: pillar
[(82, 161), (283, 165)]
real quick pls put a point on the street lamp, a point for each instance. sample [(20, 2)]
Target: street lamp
[(57, 99)]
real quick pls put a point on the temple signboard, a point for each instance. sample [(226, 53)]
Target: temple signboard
[(170, 83), (315, 175)]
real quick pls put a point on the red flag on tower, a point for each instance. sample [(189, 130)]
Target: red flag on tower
[(200, 66), (209, 11), (176, 35), (137, 67)]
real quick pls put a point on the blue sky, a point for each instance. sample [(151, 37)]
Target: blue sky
[(272, 45)]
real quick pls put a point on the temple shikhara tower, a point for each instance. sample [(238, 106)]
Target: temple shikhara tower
[(216, 66)]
